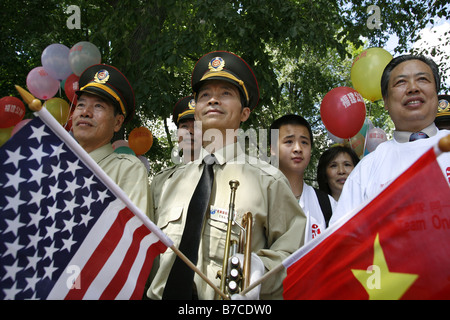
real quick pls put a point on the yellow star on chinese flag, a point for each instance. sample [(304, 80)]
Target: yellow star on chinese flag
[(379, 282)]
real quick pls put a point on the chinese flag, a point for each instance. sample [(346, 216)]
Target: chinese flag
[(396, 247)]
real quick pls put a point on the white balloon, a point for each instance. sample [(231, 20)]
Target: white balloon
[(375, 136), (55, 60), (334, 138), (83, 55)]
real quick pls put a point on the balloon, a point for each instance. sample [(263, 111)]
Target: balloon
[(55, 60), (19, 126), (333, 138), (140, 140), (59, 108), (70, 87), (357, 144), (5, 134), (12, 111), (41, 84), (144, 160), (343, 112), (366, 72), (366, 126), (125, 150), (119, 143), (83, 55), (62, 83), (374, 137)]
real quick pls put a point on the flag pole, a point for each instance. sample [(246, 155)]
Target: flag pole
[(36, 106), (266, 276), (199, 272)]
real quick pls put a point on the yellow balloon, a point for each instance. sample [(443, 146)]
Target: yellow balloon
[(367, 70), (5, 134), (59, 108)]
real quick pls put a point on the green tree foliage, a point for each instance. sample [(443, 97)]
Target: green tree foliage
[(300, 49)]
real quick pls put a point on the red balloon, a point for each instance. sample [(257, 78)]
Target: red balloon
[(12, 111), (70, 87), (343, 112)]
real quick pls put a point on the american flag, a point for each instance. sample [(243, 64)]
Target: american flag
[(63, 233)]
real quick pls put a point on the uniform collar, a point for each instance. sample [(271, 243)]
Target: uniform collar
[(403, 136), (224, 155), (101, 153)]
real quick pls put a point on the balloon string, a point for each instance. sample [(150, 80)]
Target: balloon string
[(72, 106), (367, 131)]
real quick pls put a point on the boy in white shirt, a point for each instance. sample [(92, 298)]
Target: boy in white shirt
[(295, 142)]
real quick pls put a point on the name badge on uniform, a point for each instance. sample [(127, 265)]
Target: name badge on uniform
[(219, 214)]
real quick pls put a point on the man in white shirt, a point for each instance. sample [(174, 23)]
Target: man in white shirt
[(409, 86)]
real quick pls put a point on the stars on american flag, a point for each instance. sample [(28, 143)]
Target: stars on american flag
[(48, 200)]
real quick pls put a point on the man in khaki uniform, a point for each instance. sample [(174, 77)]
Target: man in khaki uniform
[(183, 118), (105, 102), (226, 91)]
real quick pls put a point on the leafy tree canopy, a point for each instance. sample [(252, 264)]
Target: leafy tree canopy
[(300, 49)]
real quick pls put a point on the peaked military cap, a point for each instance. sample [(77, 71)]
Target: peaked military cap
[(108, 82), (223, 65), (184, 109)]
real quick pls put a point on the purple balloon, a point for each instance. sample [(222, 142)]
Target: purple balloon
[(55, 60), (41, 85)]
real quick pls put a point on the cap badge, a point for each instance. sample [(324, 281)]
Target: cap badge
[(443, 106), (191, 104), (216, 64), (101, 76)]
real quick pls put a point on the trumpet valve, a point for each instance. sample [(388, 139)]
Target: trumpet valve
[(234, 184), (233, 287)]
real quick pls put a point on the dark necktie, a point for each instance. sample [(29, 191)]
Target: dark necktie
[(417, 136), (179, 284)]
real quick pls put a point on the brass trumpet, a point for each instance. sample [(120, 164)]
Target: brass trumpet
[(234, 279)]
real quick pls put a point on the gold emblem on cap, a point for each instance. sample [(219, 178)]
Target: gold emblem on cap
[(101, 76), (216, 64), (191, 104), (443, 106)]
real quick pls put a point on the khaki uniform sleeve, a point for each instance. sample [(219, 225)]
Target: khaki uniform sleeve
[(285, 234)]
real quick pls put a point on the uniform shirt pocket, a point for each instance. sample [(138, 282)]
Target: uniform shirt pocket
[(171, 222)]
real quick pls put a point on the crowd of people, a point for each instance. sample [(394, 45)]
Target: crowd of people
[(190, 200)]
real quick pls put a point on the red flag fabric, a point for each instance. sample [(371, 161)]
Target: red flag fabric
[(396, 247), (65, 232)]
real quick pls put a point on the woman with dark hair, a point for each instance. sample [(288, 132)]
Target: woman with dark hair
[(335, 165)]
